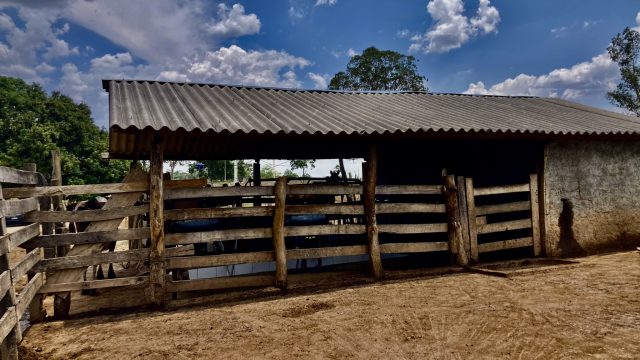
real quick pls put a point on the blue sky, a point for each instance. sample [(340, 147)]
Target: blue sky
[(504, 47)]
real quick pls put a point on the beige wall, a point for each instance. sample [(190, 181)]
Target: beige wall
[(600, 180)]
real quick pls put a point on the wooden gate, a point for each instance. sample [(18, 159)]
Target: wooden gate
[(500, 215)]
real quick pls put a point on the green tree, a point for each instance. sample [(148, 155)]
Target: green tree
[(381, 70), (302, 165), (625, 51), (33, 123), (219, 170)]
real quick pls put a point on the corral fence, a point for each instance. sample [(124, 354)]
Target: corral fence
[(184, 237)]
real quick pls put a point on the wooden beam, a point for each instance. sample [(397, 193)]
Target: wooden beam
[(94, 284), (115, 188), (504, 226), (213, 213), (321, 189), (409, 190), (333, 209), (14, 176), (402, 208), (11, 241), (418, 247), (25, 265), (535, 215), (181, 250), (156, 220), (193, 262), (229, 282), (463, 249), (172, 194), (279, 248), (9, 328), (317, 230), (412, 228), (370, 176), (506, 189), (218, 235), (18, 207), (5, 282), (8, 323), (84, 238), (454, 228), (471, 210), (86, 215), (84, 261), (313, 253), (505, 244), (28, 293)]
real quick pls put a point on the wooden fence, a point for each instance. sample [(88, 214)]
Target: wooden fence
[(287, 226)]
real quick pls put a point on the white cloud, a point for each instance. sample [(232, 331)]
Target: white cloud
[(351, 53), (452, 29), (638, 20), (326, 2), (233, 22), (404, 33), (320, 81), (295, 13), (594, 77)]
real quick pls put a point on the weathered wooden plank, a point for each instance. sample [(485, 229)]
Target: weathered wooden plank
[(505, 244), (505, 189), (535, 216), (5, 283), (23, 235), (84, 238), (317, 230), (182, 250), (313, 253), (83, 261), (26, 264), (332, 209), (156, 223), (463, 250), (18, 207), (8, 322), (471, 211), (370, 179), (504, 226), (400, 208), (15, 176), (115, 188), (279, 248), (208, 213), (321, 189), (87, 215), (220, 283), (172, 194), (503, 208), (412, 228), (454, 229), (27, 294), (395, 248), (218, 235), (48, 288), (409, 189), (219, 260)]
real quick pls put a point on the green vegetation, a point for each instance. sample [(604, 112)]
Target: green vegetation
[(220, 170), (381, 70), (33, 123), (625, 51)]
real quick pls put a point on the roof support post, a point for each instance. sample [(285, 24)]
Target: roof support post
[(279, 248), (369, 179), (156, 222)]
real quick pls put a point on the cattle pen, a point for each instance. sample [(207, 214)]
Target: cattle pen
[(449, 181)]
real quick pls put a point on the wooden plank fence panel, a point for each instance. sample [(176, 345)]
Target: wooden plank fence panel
[(23, 235), (5, 283), (317, 230), (229, 282), (26, 264), (313, 253), (505, 189), (208, 213), (83, 261), (218, 235), (48, 288), (471, 210), (412, 228), (18, 207), (15, 176), (505, 244), (409, 189), (315, 189), (503, 208), (332, 209), (28, 293), (504, 226), (400, 208), (535, 215), (219, 260), (394, 248), (111, 213), (88, 237), (8, 321)]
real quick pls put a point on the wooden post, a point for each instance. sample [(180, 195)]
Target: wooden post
[(9, 346), (454, 226), (257, 181), (535, 214), (463, 210), (473, 232), (370, 175), (156, 222), (280, 192)]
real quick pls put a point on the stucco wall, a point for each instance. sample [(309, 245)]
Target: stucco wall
[(600, 182)]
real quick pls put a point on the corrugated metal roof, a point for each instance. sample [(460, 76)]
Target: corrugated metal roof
[(222, 109)]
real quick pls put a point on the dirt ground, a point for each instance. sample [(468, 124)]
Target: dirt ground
[(585, 311)]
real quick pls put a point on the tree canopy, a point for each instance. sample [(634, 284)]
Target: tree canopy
[(214, 170), (381, 70), (32, 123), (625, 51)]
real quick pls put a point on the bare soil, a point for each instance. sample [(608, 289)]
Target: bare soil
[(585, 311)]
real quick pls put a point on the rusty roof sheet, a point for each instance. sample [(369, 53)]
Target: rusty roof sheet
[(235, 109)]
